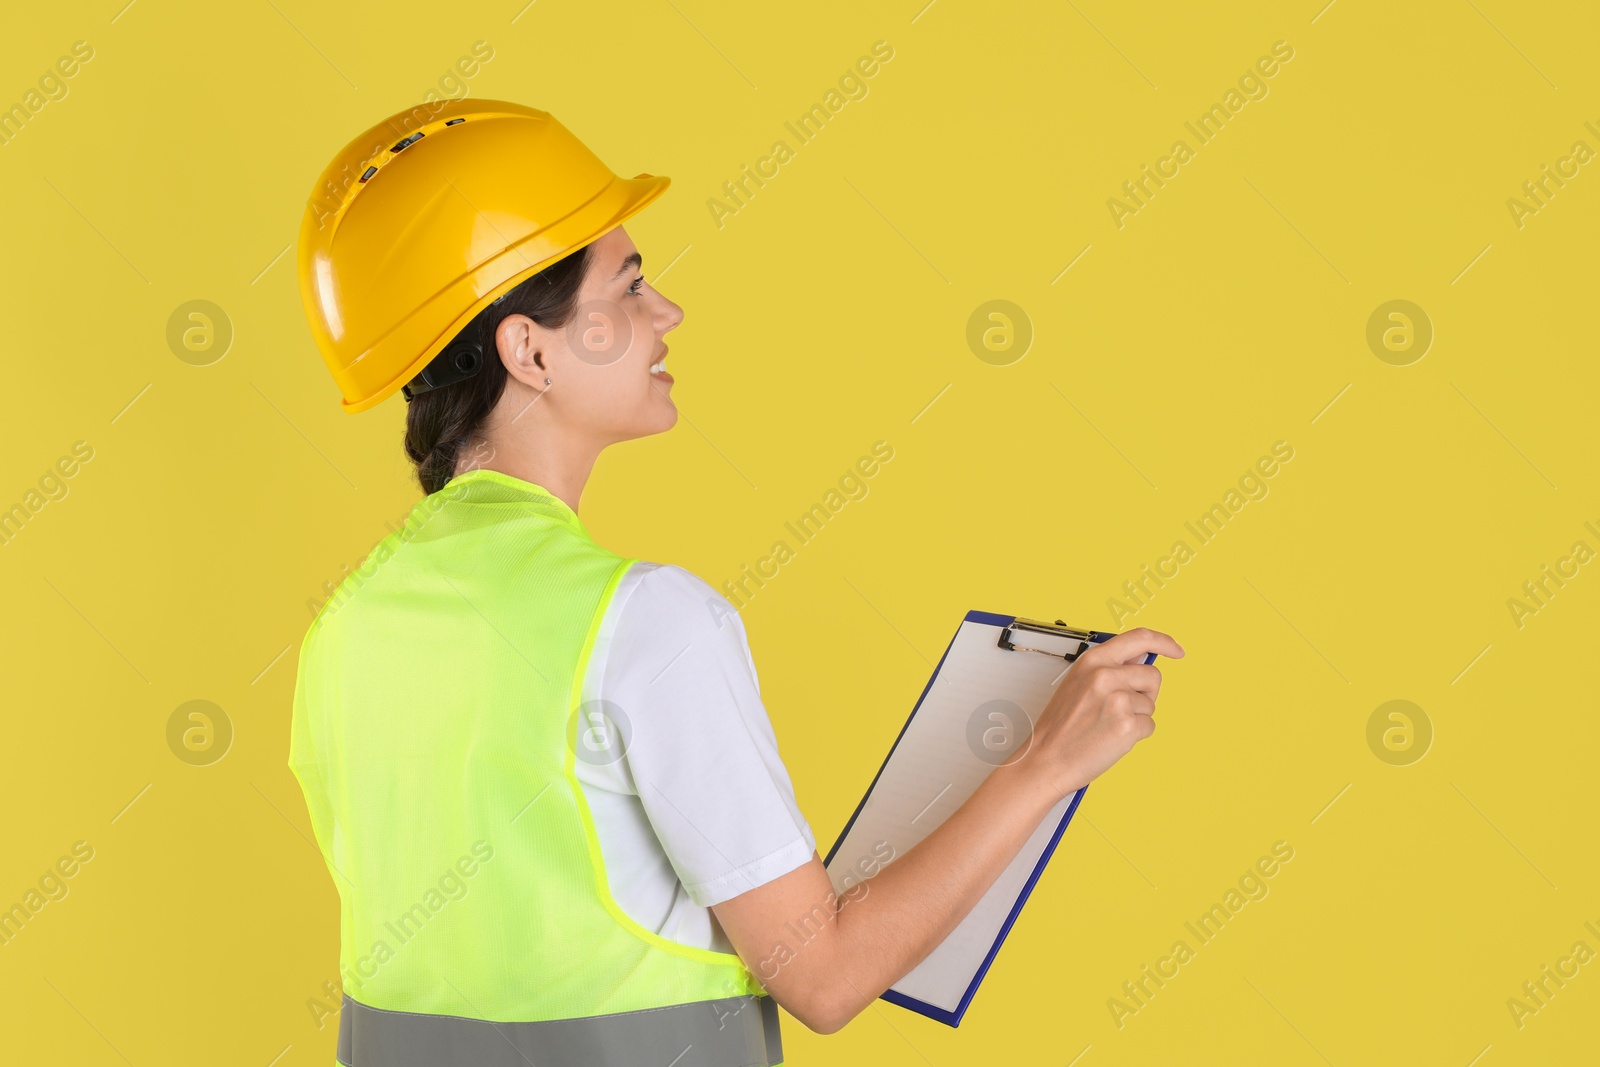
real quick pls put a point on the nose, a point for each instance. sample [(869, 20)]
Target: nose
[(669, 316)]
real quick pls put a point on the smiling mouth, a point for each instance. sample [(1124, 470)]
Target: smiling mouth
[(658, 369)]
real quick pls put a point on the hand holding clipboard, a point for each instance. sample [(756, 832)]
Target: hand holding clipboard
[(1101, 709), (1064, 704)]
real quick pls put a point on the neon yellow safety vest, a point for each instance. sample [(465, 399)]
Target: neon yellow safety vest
[(436, 714)]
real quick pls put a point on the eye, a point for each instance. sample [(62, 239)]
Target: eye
[(634, 288)]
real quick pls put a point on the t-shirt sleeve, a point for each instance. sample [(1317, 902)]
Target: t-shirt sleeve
[(700, 748)]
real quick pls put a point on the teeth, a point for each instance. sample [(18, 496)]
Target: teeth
[(658, 367)]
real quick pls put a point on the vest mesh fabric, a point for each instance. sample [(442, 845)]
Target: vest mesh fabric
[(434, 731)]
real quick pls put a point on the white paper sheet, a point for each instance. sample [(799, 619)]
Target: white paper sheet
[(975, 705)]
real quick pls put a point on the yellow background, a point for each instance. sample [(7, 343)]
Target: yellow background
[(827, 314)]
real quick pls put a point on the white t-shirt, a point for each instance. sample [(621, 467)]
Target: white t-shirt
[(679, 764)]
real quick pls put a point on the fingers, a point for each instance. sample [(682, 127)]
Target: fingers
[(1131, 702), (1141, 726), (1140, 677), (1133, 645)]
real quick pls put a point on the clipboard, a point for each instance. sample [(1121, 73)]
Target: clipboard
[(1018, 663)]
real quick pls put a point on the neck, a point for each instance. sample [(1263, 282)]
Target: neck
[(556, 462)]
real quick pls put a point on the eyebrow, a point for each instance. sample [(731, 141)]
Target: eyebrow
[(634, 260)]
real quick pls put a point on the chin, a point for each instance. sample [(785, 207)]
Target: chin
[(659, 421)]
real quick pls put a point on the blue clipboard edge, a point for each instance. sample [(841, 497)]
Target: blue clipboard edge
[(953, 1018)]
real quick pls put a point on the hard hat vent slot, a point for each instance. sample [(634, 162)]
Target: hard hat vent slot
[(409, 140), (370, 172), (452, 122)]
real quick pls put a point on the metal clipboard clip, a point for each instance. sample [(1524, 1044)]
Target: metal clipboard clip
[(1055, 629)]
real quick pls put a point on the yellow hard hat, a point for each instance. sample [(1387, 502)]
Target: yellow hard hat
[(431, 215)]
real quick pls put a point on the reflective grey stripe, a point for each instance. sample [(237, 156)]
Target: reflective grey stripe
[(730, 1032)]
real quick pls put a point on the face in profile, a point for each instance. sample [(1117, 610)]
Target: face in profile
[(606, 366)]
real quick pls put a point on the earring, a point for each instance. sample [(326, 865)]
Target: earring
[(547, 381)]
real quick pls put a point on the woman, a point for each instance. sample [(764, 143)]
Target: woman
[(541, 773)]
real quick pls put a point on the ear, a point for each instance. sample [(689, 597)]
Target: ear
[(521, 343)]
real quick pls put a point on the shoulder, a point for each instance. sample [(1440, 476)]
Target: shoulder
[(668, 598), (665, 627)]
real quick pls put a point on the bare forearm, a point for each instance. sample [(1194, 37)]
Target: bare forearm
[(909, 907)]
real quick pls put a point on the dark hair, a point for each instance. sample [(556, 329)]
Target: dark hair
[(440, 422)]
